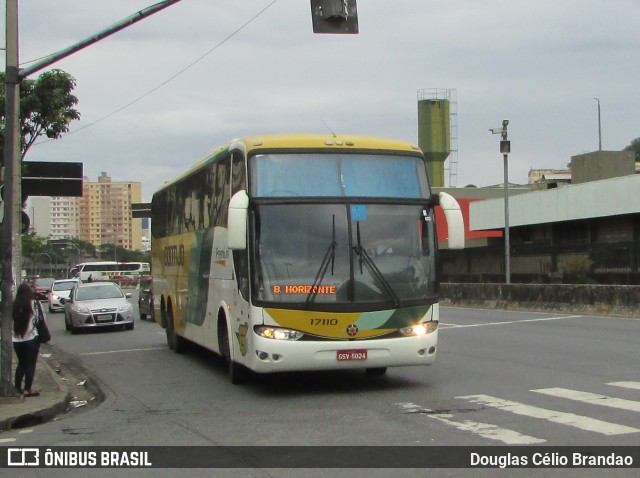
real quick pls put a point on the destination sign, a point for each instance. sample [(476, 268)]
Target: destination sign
[(304, 289)]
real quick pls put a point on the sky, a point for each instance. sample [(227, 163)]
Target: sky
[(163, 93)]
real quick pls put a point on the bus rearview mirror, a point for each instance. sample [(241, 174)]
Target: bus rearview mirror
[(237, 221)]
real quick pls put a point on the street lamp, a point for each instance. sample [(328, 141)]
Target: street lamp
[(599, 127), (505, 149)]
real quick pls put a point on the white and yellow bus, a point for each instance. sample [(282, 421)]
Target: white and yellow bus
[(302, 252), (108, 270)]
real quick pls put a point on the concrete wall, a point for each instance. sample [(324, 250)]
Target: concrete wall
[(563, 298), (601, 165)]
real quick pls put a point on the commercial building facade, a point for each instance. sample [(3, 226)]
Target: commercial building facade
[(585, 232)]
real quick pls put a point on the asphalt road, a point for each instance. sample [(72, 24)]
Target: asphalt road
[(501, 378)]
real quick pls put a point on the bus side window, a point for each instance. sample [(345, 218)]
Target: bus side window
[(222, 191), (238, 177), (424, 235), (241, 266)]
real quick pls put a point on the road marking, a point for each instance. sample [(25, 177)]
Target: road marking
[(456, 326), (593, 398), (570, 419), (121, 351), (631, 385), (7, 440), (485, 430)]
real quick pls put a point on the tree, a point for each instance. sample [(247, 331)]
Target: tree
[(46, 108), (33, 244), (635, 147)]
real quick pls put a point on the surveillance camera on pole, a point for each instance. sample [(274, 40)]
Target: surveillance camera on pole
[(505, 149)]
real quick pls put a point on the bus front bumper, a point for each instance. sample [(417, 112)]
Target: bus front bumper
[(287, 355)]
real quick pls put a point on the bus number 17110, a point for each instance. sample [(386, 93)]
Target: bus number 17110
[(324, 321)]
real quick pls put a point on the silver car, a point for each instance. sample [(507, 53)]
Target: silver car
[(97, 304), (60, 289)]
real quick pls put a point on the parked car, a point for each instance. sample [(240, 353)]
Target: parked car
[(97, 304), (145, 298), (60, 289), (42, 287)]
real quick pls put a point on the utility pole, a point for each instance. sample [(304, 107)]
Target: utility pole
[(599, 127), (505, 149), (11, 238)]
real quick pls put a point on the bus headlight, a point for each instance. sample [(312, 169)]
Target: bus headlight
[(278, 333), (422, 328)]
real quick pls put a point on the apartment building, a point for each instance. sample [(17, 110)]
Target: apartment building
[(101, 216)]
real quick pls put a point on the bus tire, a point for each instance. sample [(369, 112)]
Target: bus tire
[(174, 341), (238, 374), (163, 315), (376, 371)]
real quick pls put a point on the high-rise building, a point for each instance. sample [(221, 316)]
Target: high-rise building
[(101, 216)]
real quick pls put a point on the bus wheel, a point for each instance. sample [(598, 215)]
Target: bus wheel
[(377, 371), (238, 374), (174, 341)]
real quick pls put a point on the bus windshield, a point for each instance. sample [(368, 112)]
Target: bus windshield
[(313, 255), (355, 175)]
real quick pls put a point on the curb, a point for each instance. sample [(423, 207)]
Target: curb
[(22, 413)]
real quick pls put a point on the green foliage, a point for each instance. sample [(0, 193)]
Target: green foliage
[(33, 244), (635, 147), (46, 107), (107, 253), (576, 270), (82, 247)]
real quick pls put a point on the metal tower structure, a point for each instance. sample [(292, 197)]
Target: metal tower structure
[(451, 96)]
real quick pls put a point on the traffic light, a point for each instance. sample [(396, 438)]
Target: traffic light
[(334, 16)]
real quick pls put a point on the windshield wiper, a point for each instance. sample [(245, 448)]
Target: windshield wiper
[(329, 258), (375, 271)]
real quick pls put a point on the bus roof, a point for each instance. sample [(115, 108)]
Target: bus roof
[(325, 141), (294, 141)]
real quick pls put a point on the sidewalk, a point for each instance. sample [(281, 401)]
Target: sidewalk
[(55, 397)]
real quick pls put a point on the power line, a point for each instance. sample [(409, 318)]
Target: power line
[(173, 77)]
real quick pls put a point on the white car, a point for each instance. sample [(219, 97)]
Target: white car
[(60, 289), (97, 305)]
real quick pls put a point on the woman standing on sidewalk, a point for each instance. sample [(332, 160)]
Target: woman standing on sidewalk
[(25, 339)]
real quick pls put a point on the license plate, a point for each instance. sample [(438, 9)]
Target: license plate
[(352, 354), (104, 318)]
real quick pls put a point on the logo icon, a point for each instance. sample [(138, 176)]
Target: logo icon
[(23, 457), (352, 330)]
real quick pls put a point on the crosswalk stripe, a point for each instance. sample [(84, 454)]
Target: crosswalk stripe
[(485, 430), (631, 385), (570, 419), (592, 398)]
